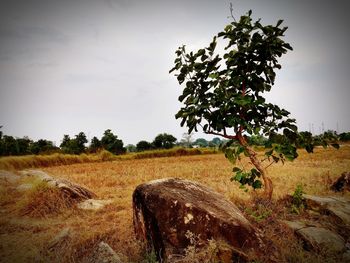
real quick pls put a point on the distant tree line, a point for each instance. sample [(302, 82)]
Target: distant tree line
[(78, 144)]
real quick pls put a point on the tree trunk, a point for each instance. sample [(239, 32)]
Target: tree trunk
[(268, 187)]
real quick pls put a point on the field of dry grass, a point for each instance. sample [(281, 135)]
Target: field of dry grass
[(25, 238)]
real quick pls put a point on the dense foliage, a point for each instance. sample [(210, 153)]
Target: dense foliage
[(223, 95)]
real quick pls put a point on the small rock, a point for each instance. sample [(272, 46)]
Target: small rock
[(342, 183), (320, 238), (92, 204), (8, 176), (24, 187), (74, 190), (103, 253), (294, 225)]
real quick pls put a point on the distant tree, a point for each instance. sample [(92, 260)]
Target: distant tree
[(95, 144), (74, 146), (65, 141), (42, 146), (9, 145), (201, 142), (143, 146), (81, 140), (23, 145), (131, 148), (164, 141), (257, 140), (344, 136), (186, 140), (111, 143), (223, 95), (216, 141)]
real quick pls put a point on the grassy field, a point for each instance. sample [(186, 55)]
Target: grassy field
[(34, 161), (25, 238)]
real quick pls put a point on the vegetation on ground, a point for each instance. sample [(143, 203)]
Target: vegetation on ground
[(24, 238), (56, 159)]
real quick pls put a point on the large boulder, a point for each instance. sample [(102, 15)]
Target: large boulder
[(168, 213)]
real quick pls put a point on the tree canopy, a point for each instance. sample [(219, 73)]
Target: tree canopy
[(223, 94)]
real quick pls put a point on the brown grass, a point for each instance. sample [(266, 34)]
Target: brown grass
[(23, 238), (35, 161), (44, 200)]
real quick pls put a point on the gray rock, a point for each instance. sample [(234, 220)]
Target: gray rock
[(339, 207), (103, 253), (317, 238), (294, 225), (74, 190), (92, 204)]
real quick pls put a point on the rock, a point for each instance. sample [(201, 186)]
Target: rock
[(9, 177), (92, 204), (103, 253), (342, 183), (74, 190), (24, 187), (338, 207), (317, 238), (168, 212), (61, 240), (294, 225)]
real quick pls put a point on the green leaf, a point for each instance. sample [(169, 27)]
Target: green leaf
[(257, 184), (214, 75), (228, 28), (236, 169), (279, 22)]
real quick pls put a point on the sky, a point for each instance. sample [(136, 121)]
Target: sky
[(80, 65)]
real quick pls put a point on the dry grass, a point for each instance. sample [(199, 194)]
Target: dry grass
[(35, 161), (24, 239), (44, 200)]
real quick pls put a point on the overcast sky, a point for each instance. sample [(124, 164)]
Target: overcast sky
[(69, 66)]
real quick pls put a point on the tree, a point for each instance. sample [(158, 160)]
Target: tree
[(186, 140), (95, 144), (201, 142), (131, 148), (74, 146), (216, 141), (65, 141), (42, 146), (143, 146), (223, 95), (111, 143), (164, 141), (344, 136), (80, 142)]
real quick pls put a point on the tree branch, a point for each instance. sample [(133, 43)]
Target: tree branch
[(231, 11), (231, 137)]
